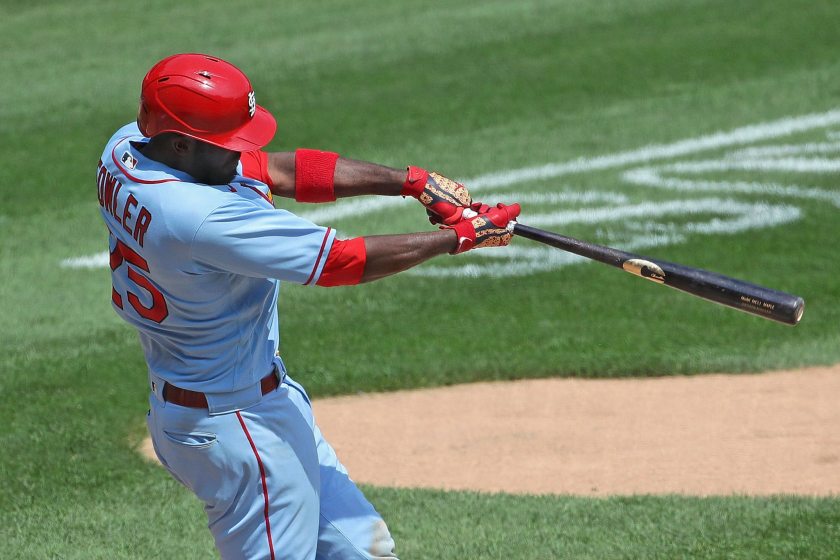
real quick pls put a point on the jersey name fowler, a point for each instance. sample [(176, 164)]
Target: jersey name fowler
[(135, 222)]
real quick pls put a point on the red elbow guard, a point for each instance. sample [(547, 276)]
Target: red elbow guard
[(314, 173), (345, 263)]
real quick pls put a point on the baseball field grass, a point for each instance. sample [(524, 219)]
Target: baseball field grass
[(701, 132)]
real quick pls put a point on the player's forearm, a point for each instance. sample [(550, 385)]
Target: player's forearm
[(351, 178), (390, 254), (365, 259)]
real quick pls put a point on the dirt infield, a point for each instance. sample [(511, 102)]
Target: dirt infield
[(700, 435)]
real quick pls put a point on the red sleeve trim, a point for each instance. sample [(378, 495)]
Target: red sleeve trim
[(345, 263), (314, 173), (318, 260), (255, 166)]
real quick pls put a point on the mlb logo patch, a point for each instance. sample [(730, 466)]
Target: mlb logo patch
[(129, 160)]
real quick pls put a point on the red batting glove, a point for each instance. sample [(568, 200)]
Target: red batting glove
[(488, 229), (442, 197), (467, 213)]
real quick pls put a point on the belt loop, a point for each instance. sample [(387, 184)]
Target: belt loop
[(156, 385), (280, 368)]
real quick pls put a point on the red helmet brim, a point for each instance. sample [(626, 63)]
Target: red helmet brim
[(253, 136)]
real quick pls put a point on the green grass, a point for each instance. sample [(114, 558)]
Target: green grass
[(464, 87), (433, 524)]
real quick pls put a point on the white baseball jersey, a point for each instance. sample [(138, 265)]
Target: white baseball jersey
[(196, 268)]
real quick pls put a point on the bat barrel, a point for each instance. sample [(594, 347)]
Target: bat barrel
[(737, 294)]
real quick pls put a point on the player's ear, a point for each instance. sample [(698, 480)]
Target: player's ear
[(182, 145)]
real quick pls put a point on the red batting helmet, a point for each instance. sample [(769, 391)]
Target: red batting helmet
[(205, 98)]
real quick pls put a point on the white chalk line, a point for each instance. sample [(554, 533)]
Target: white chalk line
[(563, 197), (658, 209), (362, 206), (739, 136), (529, 260), (743, 135), (649, 177), (97, 260), (787, 165), (786, 150)]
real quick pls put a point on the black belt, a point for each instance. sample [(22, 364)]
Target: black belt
[(197, 399)]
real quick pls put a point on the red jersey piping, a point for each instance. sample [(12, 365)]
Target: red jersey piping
[(318, 260), (132, 177)]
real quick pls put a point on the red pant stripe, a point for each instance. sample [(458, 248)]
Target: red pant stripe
[(264, 485)]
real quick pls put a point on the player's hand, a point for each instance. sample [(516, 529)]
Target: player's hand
[(444, 199), (474, 210), (491, 228)]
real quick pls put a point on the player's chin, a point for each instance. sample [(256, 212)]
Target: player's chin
[(220, 177)]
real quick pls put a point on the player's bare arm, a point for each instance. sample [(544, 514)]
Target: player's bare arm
[(316, 176), (351, 177), (365, 259), (390, 254)]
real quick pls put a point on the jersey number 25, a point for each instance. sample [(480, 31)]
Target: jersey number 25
[(124, 254)]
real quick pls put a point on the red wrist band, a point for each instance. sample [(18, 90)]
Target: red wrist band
[(314, 173), (415, 182), (466, 236)]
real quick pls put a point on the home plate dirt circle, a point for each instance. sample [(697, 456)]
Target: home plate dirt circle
[(701, 435)]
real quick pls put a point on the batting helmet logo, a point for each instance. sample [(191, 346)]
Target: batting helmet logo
[(205, 98), (252, 104)]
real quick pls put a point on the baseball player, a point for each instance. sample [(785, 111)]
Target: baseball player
[(198, 253)]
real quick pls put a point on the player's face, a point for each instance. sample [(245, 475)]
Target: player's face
[(213, 165)]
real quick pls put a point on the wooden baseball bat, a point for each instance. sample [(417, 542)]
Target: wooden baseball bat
[(737, 294)]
